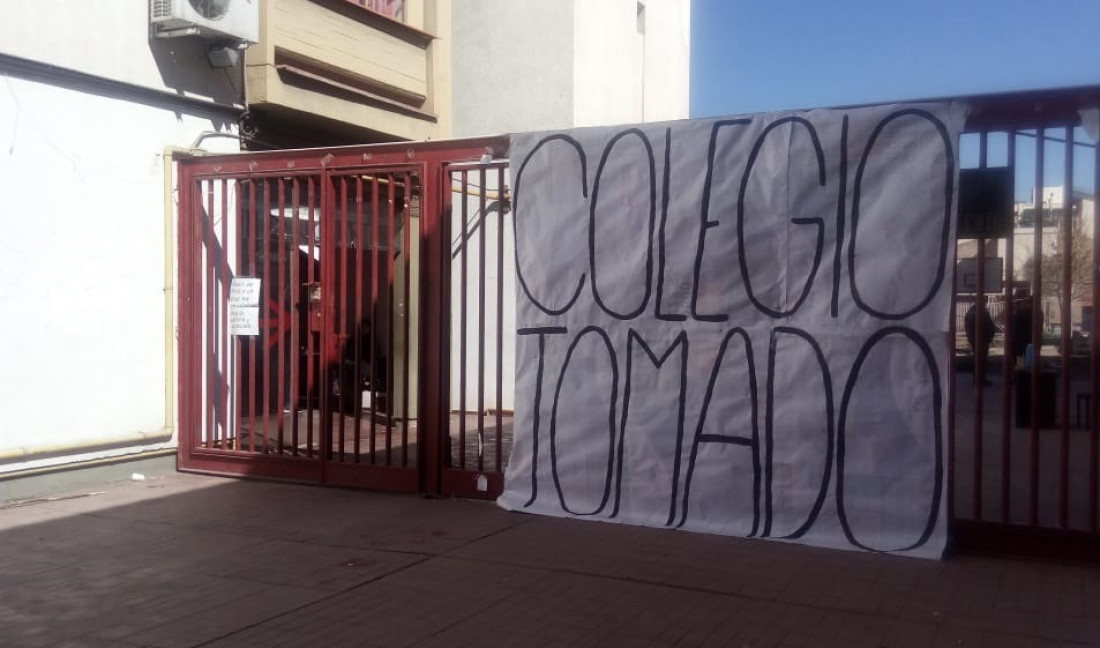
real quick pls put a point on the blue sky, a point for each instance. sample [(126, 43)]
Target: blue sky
[(759, 55)]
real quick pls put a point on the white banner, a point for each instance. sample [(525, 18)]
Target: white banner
[(739, 326)]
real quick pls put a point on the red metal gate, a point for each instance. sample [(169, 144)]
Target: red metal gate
[(1025, 435), (311, 342), (381, 358)]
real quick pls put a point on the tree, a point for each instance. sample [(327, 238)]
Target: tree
[(1053, 263)]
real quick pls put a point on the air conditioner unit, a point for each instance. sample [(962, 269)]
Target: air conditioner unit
[(233, 19)]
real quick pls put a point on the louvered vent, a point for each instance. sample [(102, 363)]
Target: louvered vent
[(160, 9)]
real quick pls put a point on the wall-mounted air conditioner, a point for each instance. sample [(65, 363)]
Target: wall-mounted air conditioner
[(231, 19)]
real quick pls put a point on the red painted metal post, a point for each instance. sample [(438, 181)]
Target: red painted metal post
[(1066, 316), (391, 261), (223, 339), (1009, 363), (280, 274), (1036, 323), (328, 357), (481, 281), (1094, 347), (183, 306), (266, 292), (406, 254), (979, 357), (502, 202), (462, 249), (374, 249), (339, 301), (358, 328), (434, 376), (294, 289), (312, 280), (235, 380), (209, 269), (252, 257)]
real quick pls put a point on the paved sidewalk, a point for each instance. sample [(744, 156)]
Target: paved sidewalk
[(198, 561)]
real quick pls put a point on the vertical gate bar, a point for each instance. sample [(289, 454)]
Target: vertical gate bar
[(183, 300), (280, 275), (264, 260), (1067, 322), (358, 328), (463, 247), (223, 303), (329, 296), (1094, 348), (252, 256), (391, 193), (209, 360), (979, 359), (339, 323), (294, 340), (374, 249), (197, 313), (312, 352), (437, 209), (1036, 321), (406, 253), (482, 222), (1009, 339), (235, 379), (501, 204)]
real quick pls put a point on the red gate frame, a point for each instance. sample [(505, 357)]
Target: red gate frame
[(431, 160)]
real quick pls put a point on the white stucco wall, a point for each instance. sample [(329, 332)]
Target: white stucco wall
[(513, 66), (82, 259), (667, 59), (82, 277), (110, 38), (625, 72), (609, 63)]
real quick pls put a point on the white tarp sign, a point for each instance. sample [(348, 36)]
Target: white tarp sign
[(739, 326)]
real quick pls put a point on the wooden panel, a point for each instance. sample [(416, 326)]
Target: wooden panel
[(316, 32)]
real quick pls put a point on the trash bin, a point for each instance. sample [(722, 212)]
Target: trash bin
[(1048, 395)]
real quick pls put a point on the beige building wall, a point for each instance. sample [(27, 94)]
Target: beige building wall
[(330, 72)]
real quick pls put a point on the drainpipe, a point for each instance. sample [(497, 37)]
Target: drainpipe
[(139, 444)]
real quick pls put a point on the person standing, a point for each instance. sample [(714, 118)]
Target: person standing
[(979, 337), (1022, 326)]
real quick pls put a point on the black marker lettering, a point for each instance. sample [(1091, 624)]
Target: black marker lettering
[(682, 342), (842, 437), (704, 219), (598, 332), (746, 276), (629, 315), (752, 441), (515, 221), (542, 332), (945, 229)]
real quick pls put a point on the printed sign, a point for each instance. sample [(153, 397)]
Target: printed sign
[(739, 326), (244, 306)]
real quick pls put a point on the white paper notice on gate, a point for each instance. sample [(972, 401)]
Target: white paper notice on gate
[(739, 326), (244, 320), (244, 291), (244, 306)]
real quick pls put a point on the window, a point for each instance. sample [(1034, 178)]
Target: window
[(394, 9)]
